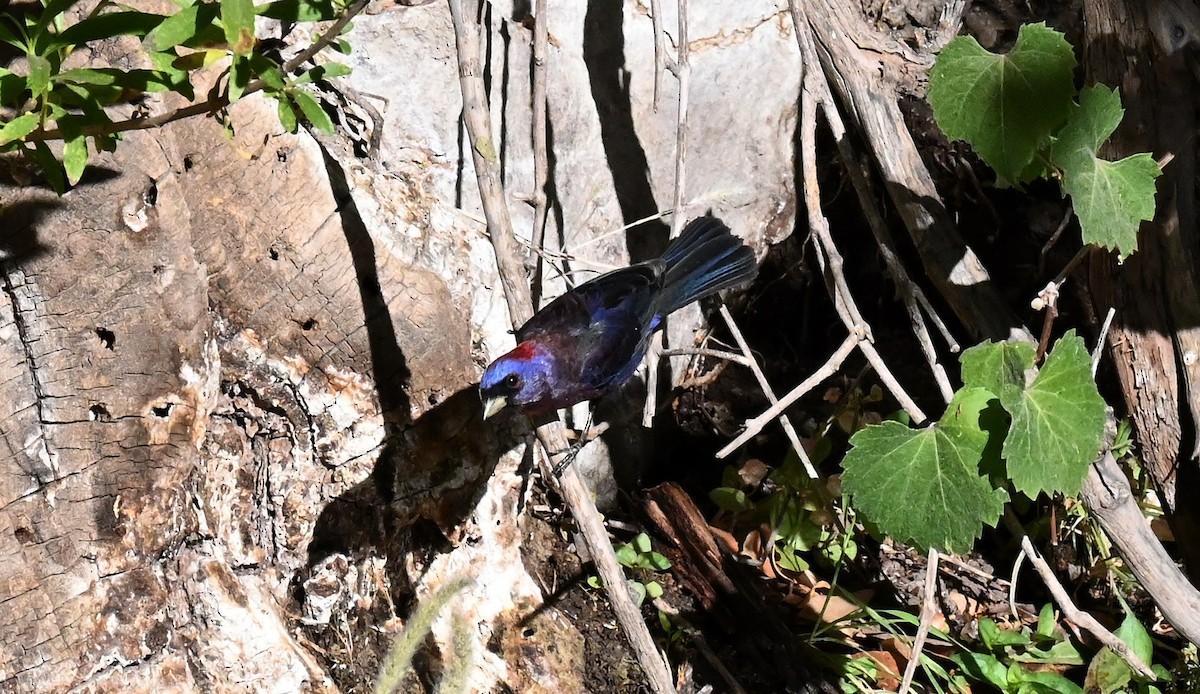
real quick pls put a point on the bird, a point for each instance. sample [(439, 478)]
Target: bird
[(590, 340)]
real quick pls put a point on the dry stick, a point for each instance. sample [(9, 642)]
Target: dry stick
[(1099, 349), (928, 611), (1063, 600), (1108, 497), (828, 254), (913, 297), (541, 159), (1012, 584), (707, 352), (621, 229), (215, 102), (660, 48), (683, 72), (768, 391), (520, 306), (828, 369), (816, 85)]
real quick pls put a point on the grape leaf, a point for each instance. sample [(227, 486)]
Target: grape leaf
[(994, 365), (1057, 422), (1111, 198), (924, 486), (1005, 106)]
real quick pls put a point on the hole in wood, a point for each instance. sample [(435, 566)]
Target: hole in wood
[(163, 410), (107, 337)]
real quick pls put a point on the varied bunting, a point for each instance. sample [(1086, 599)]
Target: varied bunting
[(591, 339)]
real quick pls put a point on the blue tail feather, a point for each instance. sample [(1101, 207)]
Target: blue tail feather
[(704, 259)]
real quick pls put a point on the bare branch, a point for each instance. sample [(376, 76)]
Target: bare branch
[(516, 291), (786, 423), (828, 369), (928, 612)]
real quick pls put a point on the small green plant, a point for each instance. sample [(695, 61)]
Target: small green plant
[(1022, 114), (1021, 660), (638, 554), (44, 100), (795, 509)]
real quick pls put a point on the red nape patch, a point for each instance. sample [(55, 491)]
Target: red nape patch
[(524, 351)]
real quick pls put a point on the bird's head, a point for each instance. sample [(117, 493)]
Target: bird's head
[(520, 378)]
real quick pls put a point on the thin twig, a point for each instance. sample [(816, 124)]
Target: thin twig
[(1063, 600), (707, 352), (517, 294), (979, 573), (1062, 226), (827, 369), (817, 87), (1098, 350), (928, 611), (541, 166), (620, 230), (215, 102), (660, 48), (683, 72), (768, 391), (1012, 584), (830, 259)]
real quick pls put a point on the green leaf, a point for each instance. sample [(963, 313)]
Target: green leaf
[(1107, 673), (11, 87), (39, 75), (995, 365), (1111, 198), (790, 559), (181, 27), (52, 10), (107, 26), (49, 165), (300, 10), (1136, 637), (287, 115), (983, 667), (1057, 422), (239, 77), (18, 128), (1005, 106), (641, 543), (75, 158), (313, 112), (994, 637), (324, 71), (7, 36), (925, 487), (654, 590), (729, 499), (237, 16)]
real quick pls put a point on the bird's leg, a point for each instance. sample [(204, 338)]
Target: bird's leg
[(575, 448)]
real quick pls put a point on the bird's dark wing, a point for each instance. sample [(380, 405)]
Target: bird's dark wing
[(630, 289), (598, 330)]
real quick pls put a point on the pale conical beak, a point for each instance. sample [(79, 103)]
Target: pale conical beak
[(493, 405)]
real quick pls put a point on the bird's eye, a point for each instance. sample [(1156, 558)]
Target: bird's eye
[(513, 381)]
